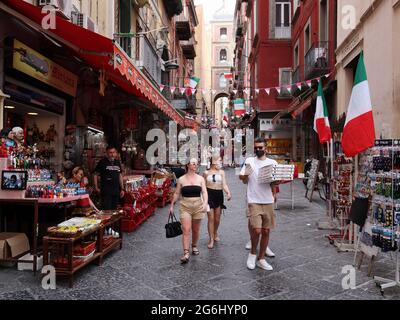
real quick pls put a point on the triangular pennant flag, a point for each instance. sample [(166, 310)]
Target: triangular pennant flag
[(278, 89), (257, 91), (204, 92), (162, 87), (299, 85), (235, 92), (309, 83), (172, 89), (289, 88), (359, 129), (267, 90), (321, 119), (182, 90), (214, 91), (193, 90), (247, 91)]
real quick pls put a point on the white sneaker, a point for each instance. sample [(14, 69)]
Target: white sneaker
[(269, 253), (264, 265), (248, 245), (251, 261)]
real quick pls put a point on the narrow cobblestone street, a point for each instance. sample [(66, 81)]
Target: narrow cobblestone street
[(306, 266)]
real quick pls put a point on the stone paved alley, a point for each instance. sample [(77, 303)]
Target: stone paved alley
[(306, 265)]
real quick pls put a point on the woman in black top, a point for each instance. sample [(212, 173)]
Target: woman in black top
[(193, 206)]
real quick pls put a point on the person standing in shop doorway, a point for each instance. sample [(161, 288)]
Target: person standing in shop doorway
[(111, 182), (260, 205)]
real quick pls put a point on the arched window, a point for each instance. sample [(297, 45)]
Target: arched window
[(223, 33), (222, 81), (223, 56)]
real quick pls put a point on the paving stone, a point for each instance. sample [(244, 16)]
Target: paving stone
[(17, 295)]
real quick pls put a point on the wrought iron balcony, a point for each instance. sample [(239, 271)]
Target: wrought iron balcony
[(183, 25), (125, 42), (149, 61), (189, 48), (317, 60)]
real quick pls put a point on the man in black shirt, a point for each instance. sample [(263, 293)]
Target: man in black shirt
[(109, 170)]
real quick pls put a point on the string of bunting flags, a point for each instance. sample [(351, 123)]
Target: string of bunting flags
[(191, 91)]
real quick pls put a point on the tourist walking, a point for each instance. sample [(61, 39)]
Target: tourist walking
[(260, 205), (216, 185), (191, 187)]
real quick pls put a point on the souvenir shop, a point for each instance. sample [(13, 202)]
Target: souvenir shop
[(365, 205)]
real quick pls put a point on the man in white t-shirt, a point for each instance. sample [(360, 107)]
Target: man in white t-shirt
[(260, 202)]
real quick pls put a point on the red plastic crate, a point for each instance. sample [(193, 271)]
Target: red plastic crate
[(128, 225)]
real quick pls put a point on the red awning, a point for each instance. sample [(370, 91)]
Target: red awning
[(97, 51)]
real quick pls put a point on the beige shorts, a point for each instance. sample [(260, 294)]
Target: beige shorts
[(261, 216), (191, 208)]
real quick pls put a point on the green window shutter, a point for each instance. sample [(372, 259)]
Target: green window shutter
[(125, 10)]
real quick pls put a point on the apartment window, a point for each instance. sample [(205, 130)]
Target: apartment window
[(307, 38), (223, 32), (283, 13), (323, 27), (223, 82), (296, 56), (223, 56), (282, 19), (285, 77)]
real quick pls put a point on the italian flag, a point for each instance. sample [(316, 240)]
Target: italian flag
[(321, 119), (359, 130), (228, 75), (193, 82)]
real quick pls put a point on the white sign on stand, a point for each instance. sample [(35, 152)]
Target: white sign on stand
[(9, 194)]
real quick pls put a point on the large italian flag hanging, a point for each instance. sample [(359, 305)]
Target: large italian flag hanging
[(359, 130), (321, 119)]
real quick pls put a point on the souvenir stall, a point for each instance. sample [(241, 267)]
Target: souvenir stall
[(29, 181), (139, 202), (378, 180)]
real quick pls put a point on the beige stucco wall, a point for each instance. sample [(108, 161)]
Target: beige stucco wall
[(376, 36)]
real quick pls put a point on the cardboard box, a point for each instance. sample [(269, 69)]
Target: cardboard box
[(29, 266), (13, 244)]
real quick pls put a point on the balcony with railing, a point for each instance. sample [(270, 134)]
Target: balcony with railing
[(317, 60), (149, 61), (183, 25), (125, 42), (189, 48), (283, 32)]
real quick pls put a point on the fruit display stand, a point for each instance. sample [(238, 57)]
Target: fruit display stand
[(139, 205), (70, 252)]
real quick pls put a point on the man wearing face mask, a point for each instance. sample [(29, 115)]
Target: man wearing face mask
[(260, 210)]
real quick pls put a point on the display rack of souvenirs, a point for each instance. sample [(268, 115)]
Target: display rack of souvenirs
[(162, 179), (342, 196), (139, 205), (56, 191)]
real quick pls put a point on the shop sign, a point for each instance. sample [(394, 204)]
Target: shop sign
[(39, 67), (281, 124)]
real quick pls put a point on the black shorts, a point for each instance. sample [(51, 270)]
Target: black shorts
[(215, 198)]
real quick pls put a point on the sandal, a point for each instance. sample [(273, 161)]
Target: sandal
[(185, 257), (195, 251)]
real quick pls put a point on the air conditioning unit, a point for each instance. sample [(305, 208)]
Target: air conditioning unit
[(83, 21), (63, 7)]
